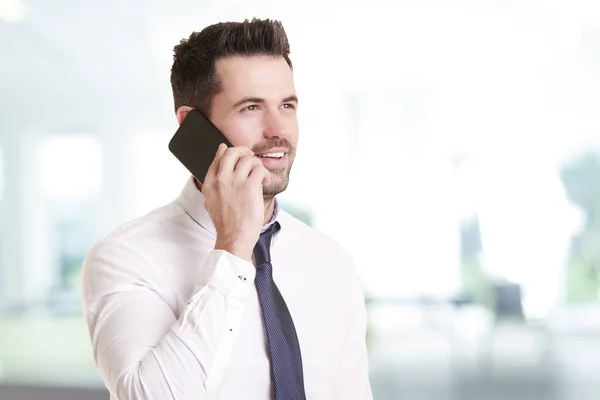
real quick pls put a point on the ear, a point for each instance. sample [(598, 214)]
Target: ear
[(183, 112)]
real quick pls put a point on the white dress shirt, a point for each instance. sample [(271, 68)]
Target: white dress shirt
[(169, 317)]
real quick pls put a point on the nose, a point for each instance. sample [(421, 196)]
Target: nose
[(274, 126)]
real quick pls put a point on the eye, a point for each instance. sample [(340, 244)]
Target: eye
[(253, 107), (289, 106)]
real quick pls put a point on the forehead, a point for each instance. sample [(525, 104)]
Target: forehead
[(261, 76)]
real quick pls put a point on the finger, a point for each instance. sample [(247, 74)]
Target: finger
[(230, 158), (259, 175), (213, 170), (244, 166)]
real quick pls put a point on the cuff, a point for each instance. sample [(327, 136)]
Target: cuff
[(230, 273)]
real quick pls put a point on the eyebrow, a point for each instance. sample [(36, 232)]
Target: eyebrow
[(292, 98)]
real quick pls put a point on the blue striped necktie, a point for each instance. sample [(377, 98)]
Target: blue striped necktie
[(284, 350)]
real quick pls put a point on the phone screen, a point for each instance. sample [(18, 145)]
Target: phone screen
[(195, 144)]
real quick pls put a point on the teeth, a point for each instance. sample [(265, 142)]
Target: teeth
[(272, 155)]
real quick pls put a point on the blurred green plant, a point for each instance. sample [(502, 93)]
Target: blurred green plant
[(475, 283), (581, 179), (301, 213)]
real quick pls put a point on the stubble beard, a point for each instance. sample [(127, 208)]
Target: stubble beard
[(280, 179)]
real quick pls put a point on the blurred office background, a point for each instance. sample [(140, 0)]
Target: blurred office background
[(451, 146)]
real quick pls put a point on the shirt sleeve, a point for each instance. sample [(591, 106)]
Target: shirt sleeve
[(143, 351), (353, 373)]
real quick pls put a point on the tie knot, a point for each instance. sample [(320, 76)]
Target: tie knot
[(262, 253)]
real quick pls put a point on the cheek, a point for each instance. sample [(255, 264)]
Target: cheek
[(241, 132), (294, 134)]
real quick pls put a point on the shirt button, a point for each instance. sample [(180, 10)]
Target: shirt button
[(242, 278)]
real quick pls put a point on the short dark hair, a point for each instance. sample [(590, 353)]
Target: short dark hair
[(194, 78)]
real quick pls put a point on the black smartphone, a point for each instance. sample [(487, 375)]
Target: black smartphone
[(195, 143)]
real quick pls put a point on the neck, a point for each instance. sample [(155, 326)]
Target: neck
[(269, 209)]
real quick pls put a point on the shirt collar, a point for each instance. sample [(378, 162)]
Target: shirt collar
[(192, 201)]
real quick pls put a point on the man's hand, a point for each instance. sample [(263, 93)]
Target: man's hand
[(233, 189)]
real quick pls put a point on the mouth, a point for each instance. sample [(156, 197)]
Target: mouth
[(274, 159), (276, 155)]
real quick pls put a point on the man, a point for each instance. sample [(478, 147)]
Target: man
[(221, 294)]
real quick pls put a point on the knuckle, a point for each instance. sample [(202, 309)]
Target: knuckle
[(220, 181), (245, 152), (231, 152), (243, 160)]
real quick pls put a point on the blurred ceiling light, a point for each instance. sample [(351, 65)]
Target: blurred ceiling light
[(12, 10)]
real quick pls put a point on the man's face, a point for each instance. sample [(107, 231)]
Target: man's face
[(256, 108)]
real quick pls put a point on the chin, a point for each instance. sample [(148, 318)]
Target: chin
[(278, 184), (273, 190)]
